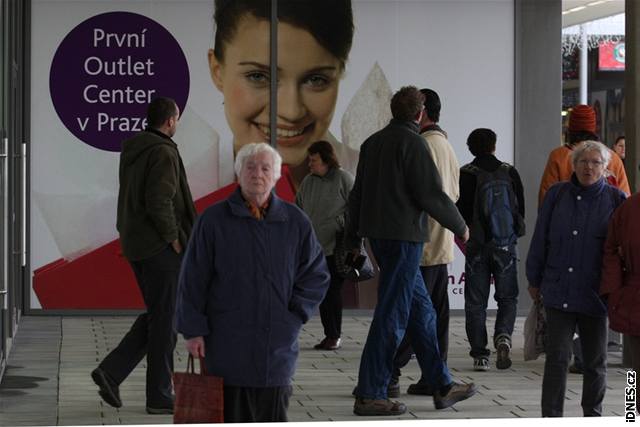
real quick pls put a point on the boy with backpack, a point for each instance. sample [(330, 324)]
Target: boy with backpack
[(492, 204)]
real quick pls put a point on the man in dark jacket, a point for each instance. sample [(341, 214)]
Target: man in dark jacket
[(485, 258), (253, 273), (155, 217), (397, 184)]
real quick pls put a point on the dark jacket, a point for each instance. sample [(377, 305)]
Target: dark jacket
[(621, 268), (565, 256), (247, 286), (397, 184), (155, 206), (489, 163)]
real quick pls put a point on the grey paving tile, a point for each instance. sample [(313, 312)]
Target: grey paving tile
[(48, 380)]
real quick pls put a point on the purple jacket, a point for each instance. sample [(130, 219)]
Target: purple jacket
[(247, 286), (565, 256)]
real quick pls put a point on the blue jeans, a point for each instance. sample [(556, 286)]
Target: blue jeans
[(403, 305), (481, 263)]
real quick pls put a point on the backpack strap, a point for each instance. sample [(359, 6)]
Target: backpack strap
[(506, 166), (471, 168)]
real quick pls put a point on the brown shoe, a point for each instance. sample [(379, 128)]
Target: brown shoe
[(378, 407), (456, 393), (328, 344)]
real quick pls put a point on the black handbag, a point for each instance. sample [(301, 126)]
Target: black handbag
[(356, 270)]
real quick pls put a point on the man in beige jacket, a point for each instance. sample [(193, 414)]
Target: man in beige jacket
[(438, 252)]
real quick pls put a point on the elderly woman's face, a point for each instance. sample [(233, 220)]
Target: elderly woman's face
[(589, 167), (257, 175), (308, 78)]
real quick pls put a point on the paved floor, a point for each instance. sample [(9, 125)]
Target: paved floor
[(47, 380)]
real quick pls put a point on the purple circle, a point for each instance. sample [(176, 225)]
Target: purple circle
[(107, 69)]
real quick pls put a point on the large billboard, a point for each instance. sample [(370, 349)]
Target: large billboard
[(96, 64)]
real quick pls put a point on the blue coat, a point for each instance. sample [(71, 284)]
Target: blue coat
[(565, 256), (247, 286)]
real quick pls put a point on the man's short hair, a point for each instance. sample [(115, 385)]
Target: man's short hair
[(482, 141), (251, 150), (160, 110), (431, 104), (407, 103)]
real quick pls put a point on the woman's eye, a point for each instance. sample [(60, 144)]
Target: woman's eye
[(257, 77), (317, 81)]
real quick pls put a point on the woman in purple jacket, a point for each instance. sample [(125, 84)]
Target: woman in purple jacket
[(252, 274), (564, 269)]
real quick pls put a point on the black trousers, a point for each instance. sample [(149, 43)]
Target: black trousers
[(593, 338), (152, 334), (331, 306), (436, 278), (251, 404)]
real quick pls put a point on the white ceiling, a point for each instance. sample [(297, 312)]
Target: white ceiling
[(593, 9)]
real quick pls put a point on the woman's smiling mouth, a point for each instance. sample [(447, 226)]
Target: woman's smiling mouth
[(286, 137)]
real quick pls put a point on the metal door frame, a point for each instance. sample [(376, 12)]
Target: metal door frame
[(14, 148)]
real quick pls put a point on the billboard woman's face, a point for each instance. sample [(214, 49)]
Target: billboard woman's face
[(308, 78)]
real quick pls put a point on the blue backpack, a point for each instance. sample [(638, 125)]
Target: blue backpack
[(496, 218)]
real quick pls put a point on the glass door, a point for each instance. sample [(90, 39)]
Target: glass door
[(4, 185), (17, 161)]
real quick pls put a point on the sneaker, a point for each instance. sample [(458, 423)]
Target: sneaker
[(456, 393), (504, 359), (328, 344), (109, 391), (420, 388), (378, 407), (480, 364)]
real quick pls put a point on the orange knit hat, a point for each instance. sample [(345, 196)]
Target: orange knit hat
[(582, 118)]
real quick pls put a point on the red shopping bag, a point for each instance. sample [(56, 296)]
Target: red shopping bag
[(199, 397)]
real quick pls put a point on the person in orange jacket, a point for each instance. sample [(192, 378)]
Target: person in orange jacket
[(582, 127)]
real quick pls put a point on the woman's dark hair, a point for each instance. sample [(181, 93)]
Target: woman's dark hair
[(618, 139), (482, 141), (329, 21), (577, 136), (326, 152), (160, 110), (407, 103)]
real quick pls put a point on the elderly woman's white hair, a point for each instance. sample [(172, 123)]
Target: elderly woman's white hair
[(254, 148), (582, 148)]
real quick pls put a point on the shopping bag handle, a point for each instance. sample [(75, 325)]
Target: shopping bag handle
[(191, 363)]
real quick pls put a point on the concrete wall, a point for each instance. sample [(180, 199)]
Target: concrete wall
[(538, 127)]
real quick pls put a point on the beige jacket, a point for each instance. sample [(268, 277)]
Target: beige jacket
[(439, 250)]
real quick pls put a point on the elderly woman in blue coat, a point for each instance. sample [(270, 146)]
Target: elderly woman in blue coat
[(564, 268), (252, 274)]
